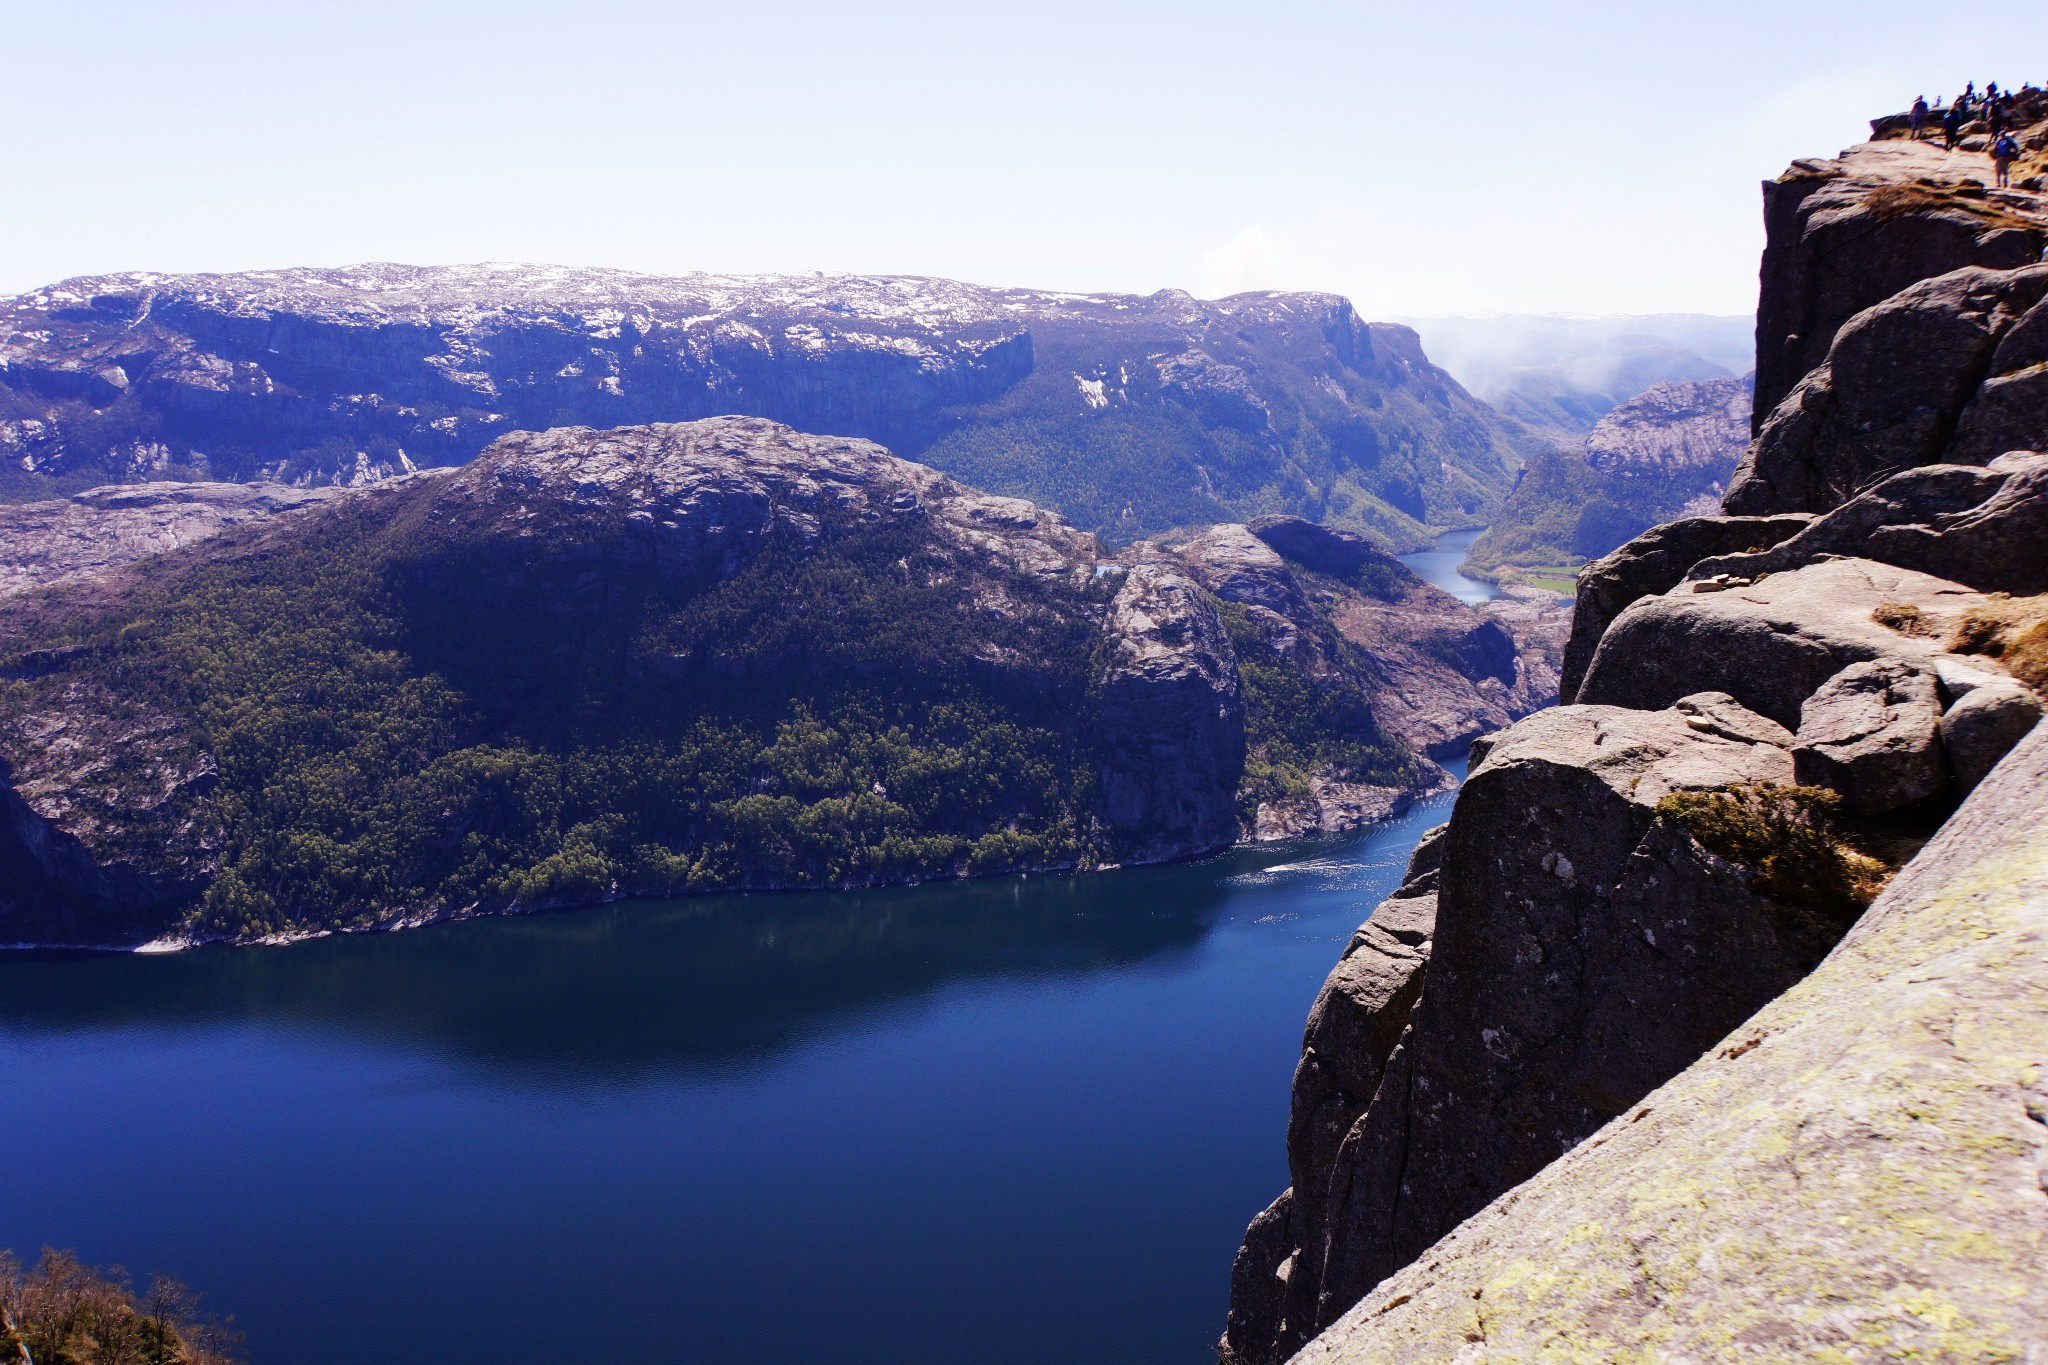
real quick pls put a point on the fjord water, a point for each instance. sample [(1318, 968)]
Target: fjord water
[(1438, 565), (1002, 1120)]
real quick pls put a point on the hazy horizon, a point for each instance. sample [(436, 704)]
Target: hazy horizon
[(1479, 159)]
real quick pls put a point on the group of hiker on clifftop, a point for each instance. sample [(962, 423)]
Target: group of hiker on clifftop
[(1993, 106)]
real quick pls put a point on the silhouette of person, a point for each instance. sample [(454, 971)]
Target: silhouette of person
[(1919, 115), (2003, 152)]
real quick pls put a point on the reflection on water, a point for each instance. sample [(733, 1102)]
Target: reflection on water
[(1439, 565), (639, 987), (1014, 1120)]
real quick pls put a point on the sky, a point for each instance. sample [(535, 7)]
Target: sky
[(1423, 158)]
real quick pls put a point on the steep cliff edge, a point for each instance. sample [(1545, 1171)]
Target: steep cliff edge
[(1770, 715), (654, 660), (1845, 234), (1858, 1173), (1128, 414)]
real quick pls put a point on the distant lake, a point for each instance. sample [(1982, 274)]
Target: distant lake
[(1439, 565), (1014, 1120)]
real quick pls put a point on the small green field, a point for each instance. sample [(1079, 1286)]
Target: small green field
[(1560, 579)]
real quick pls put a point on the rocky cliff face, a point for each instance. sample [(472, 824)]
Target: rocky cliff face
[(1847, 234), (652, 660), (1385, 654), (1608, 1008), (1130, 414), (1857, 1172), (1674, 428)]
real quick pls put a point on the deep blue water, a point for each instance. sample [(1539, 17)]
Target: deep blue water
[(1439, 565), (999, 1121)]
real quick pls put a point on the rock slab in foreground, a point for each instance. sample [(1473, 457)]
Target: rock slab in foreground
[(1859, 1173)]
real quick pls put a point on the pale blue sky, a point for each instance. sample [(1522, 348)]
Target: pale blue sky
[(1422, 158)]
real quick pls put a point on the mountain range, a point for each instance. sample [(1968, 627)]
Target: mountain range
[(1127, 414)]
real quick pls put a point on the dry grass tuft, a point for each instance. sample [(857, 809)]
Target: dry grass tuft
[(2012, 630), (1903, 617), (1887, 202)]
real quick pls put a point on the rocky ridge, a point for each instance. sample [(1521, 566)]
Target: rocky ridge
[(1667, 452), (1605, 1078), (1130, 414), (1673, 427), (811, 642), (100, 530)]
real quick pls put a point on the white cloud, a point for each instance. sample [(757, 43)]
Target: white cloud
[(1252, 259)]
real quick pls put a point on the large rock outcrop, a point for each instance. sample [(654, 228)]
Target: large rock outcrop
[(103, 529), (1985, 527), (1898, 324), (1772, 714), (1845, 234), (1171, 719), (1583, 951), (1772, 643), (1914, 380), (1654, 563), (1858, 1172), (349, 375)]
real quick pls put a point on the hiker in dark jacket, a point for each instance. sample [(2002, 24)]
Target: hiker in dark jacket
[(1919, 115), (2004, 151), (1952, 126)]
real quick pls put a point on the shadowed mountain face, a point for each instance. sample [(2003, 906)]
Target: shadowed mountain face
[(691, 657), (1127, 414)]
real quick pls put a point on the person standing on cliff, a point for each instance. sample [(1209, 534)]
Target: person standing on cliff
[(2003, 152), (1919, 115), (1952, 126)]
